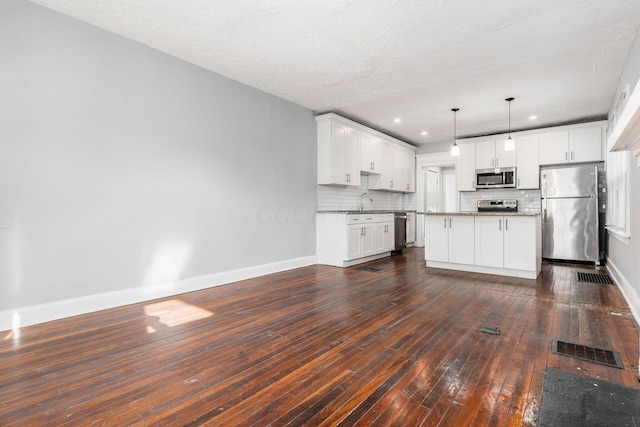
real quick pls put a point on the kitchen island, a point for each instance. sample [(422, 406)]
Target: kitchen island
[(484, 242)]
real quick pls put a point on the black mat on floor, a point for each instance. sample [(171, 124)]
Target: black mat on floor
[(570, 400)]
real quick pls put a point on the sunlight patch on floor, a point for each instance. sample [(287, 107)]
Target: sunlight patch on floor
[(174, 312)]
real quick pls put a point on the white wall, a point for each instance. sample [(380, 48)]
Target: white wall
[(624, 259), (124, 168)]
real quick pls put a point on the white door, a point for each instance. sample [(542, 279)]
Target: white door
[(450, 196), (368, 240), (433, 190), (504, 158), (554, 147), (461, 238), (338, 154), (353, 158), (354, 242), (586, 145), (466, 168), (528, 166), (485, 154), (389, 237), (488, 241), (520, 242), (379, 235), (436, 241)]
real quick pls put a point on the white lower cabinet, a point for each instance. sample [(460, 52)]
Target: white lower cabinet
[(489, 244), (449, 238), (520, 234), (348, 239), (507, 245), (506, 241)]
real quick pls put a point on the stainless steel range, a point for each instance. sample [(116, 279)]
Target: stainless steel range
[(505, 206)]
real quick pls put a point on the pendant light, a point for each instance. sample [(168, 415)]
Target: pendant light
[(455, 150), (509, 143)]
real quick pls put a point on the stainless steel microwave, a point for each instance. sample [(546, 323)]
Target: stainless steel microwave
[(496, 178)]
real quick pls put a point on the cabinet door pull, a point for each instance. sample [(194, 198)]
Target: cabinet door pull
[(445, 223), (571, 155), (506, 224), (500, 224), (566, 156), (497, 160), (449, 222), (518, 182)]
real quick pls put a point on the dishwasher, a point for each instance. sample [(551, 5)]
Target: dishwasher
[(400, 232)]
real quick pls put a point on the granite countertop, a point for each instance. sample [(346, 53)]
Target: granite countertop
[(363, 212), (482, 213)]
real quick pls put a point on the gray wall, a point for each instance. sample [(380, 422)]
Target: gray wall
[(123, 167), (627, 257)]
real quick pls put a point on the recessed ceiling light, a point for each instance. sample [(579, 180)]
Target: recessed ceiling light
[(533, 117), (397, 120), (424, 133)]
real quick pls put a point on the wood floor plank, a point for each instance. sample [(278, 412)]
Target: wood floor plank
[(319, 346)]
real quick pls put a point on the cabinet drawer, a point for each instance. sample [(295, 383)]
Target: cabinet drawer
[(360, 219)]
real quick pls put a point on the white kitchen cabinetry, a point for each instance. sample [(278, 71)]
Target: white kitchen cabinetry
[(345, 239), (489, 244), (527, 166), (338, 153), (396, 171), (411, 227), (491, 154), (521, 243), (370, 153), (383, 236), (508, 245), (449, 238), (586, 144), (581, 144), (466, 168), (409, 171), (346, 148), (506, 241)]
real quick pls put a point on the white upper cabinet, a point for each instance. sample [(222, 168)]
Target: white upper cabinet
[(466, 167), (491, 154), (345, 148), (586, 144), (527, 166), (580, 144), (338, 153), (370, 153)]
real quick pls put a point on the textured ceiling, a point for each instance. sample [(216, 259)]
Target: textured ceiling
[(375, 60)]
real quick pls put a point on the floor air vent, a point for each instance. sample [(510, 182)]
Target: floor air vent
[(590, 354), (594, 278), (373, 269)]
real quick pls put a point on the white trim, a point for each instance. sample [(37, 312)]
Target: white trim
[(618, 235), (523, 274), (628, 291), (31, 315)]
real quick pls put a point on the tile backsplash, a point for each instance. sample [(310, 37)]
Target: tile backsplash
[(348, 198), (528, 200)]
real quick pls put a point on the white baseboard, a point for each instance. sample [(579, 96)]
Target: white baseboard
[(628, 291), (31, 315)]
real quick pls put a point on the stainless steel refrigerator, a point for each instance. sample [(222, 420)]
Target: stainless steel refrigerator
[(570, 212)]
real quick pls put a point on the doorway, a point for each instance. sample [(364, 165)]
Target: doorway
[(440, 189)]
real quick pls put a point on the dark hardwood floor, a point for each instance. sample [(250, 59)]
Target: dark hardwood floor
[(319, 346)]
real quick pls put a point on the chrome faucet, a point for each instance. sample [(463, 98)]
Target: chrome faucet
[(361, 207)]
